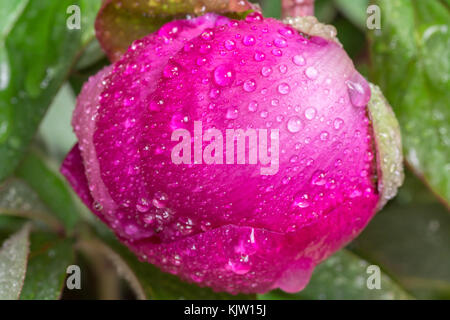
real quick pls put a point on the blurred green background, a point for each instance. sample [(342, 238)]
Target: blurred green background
[(43, 66)]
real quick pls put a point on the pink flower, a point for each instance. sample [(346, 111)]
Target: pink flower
[(227, 226)]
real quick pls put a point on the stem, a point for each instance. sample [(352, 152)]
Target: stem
[(297, 8)]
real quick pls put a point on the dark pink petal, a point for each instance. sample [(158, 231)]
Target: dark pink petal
[(122, 106)]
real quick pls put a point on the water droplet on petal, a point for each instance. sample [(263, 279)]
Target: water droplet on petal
[(294, 124), (232, 113), (318, 178), (248, 40), (280, 43), (266, 71), (259, 56), (284, 88), (171, 70), (301, 200), (324, 135), (249, 85), (230, 45), (254, 16), (224, 75), (277, 52), (311, 73), (299, 60), (253, 106), (286, 32), (240, 266), (358, 90), (310, 113), (207, 34), (338, 122)]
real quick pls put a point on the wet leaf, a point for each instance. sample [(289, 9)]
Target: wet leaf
[(13, 264), (343, 276), (50, 188), (411, 64), (388, 143), (37, 51), (17, 199), (55, 130), (47, 264), (352, 38), (354, 10), (271, 8), (147, 281), (121, 22), (410, 238), (324, 10)]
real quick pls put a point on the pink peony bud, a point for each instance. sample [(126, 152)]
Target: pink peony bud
[(262, 220)]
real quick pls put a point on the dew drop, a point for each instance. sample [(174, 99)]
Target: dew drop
[(284, 88), (337, 124), (318, 178), (299, 60), (311, 73), (248, 40), (230, 45), (224, 75), (207, 34), (249, 85), (254, 16), (280, 43), (286, 32), (240, 266), (266, 71), (358, 90), (277, 52), (253, 106), (232, 113), (294, 124), (324, 135), (143, 205), (301, 200), (310, 113), (259, 56), (171, 70)]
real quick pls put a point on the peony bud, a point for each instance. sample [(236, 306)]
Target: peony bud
[(157, 163)]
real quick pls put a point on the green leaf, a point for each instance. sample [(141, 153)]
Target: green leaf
[(271, 8), (324, 10), (411, 64), (51, 189), (342, 276), (13, 264), (10, 225), (120, 22), (354, 10), (47, 264), (147, 281), (351, 37), (388, 143), (410, 238), (36, 53), (17, 199), (55, 130)]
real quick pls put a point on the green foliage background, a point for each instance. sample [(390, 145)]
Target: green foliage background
[(44, 228)]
